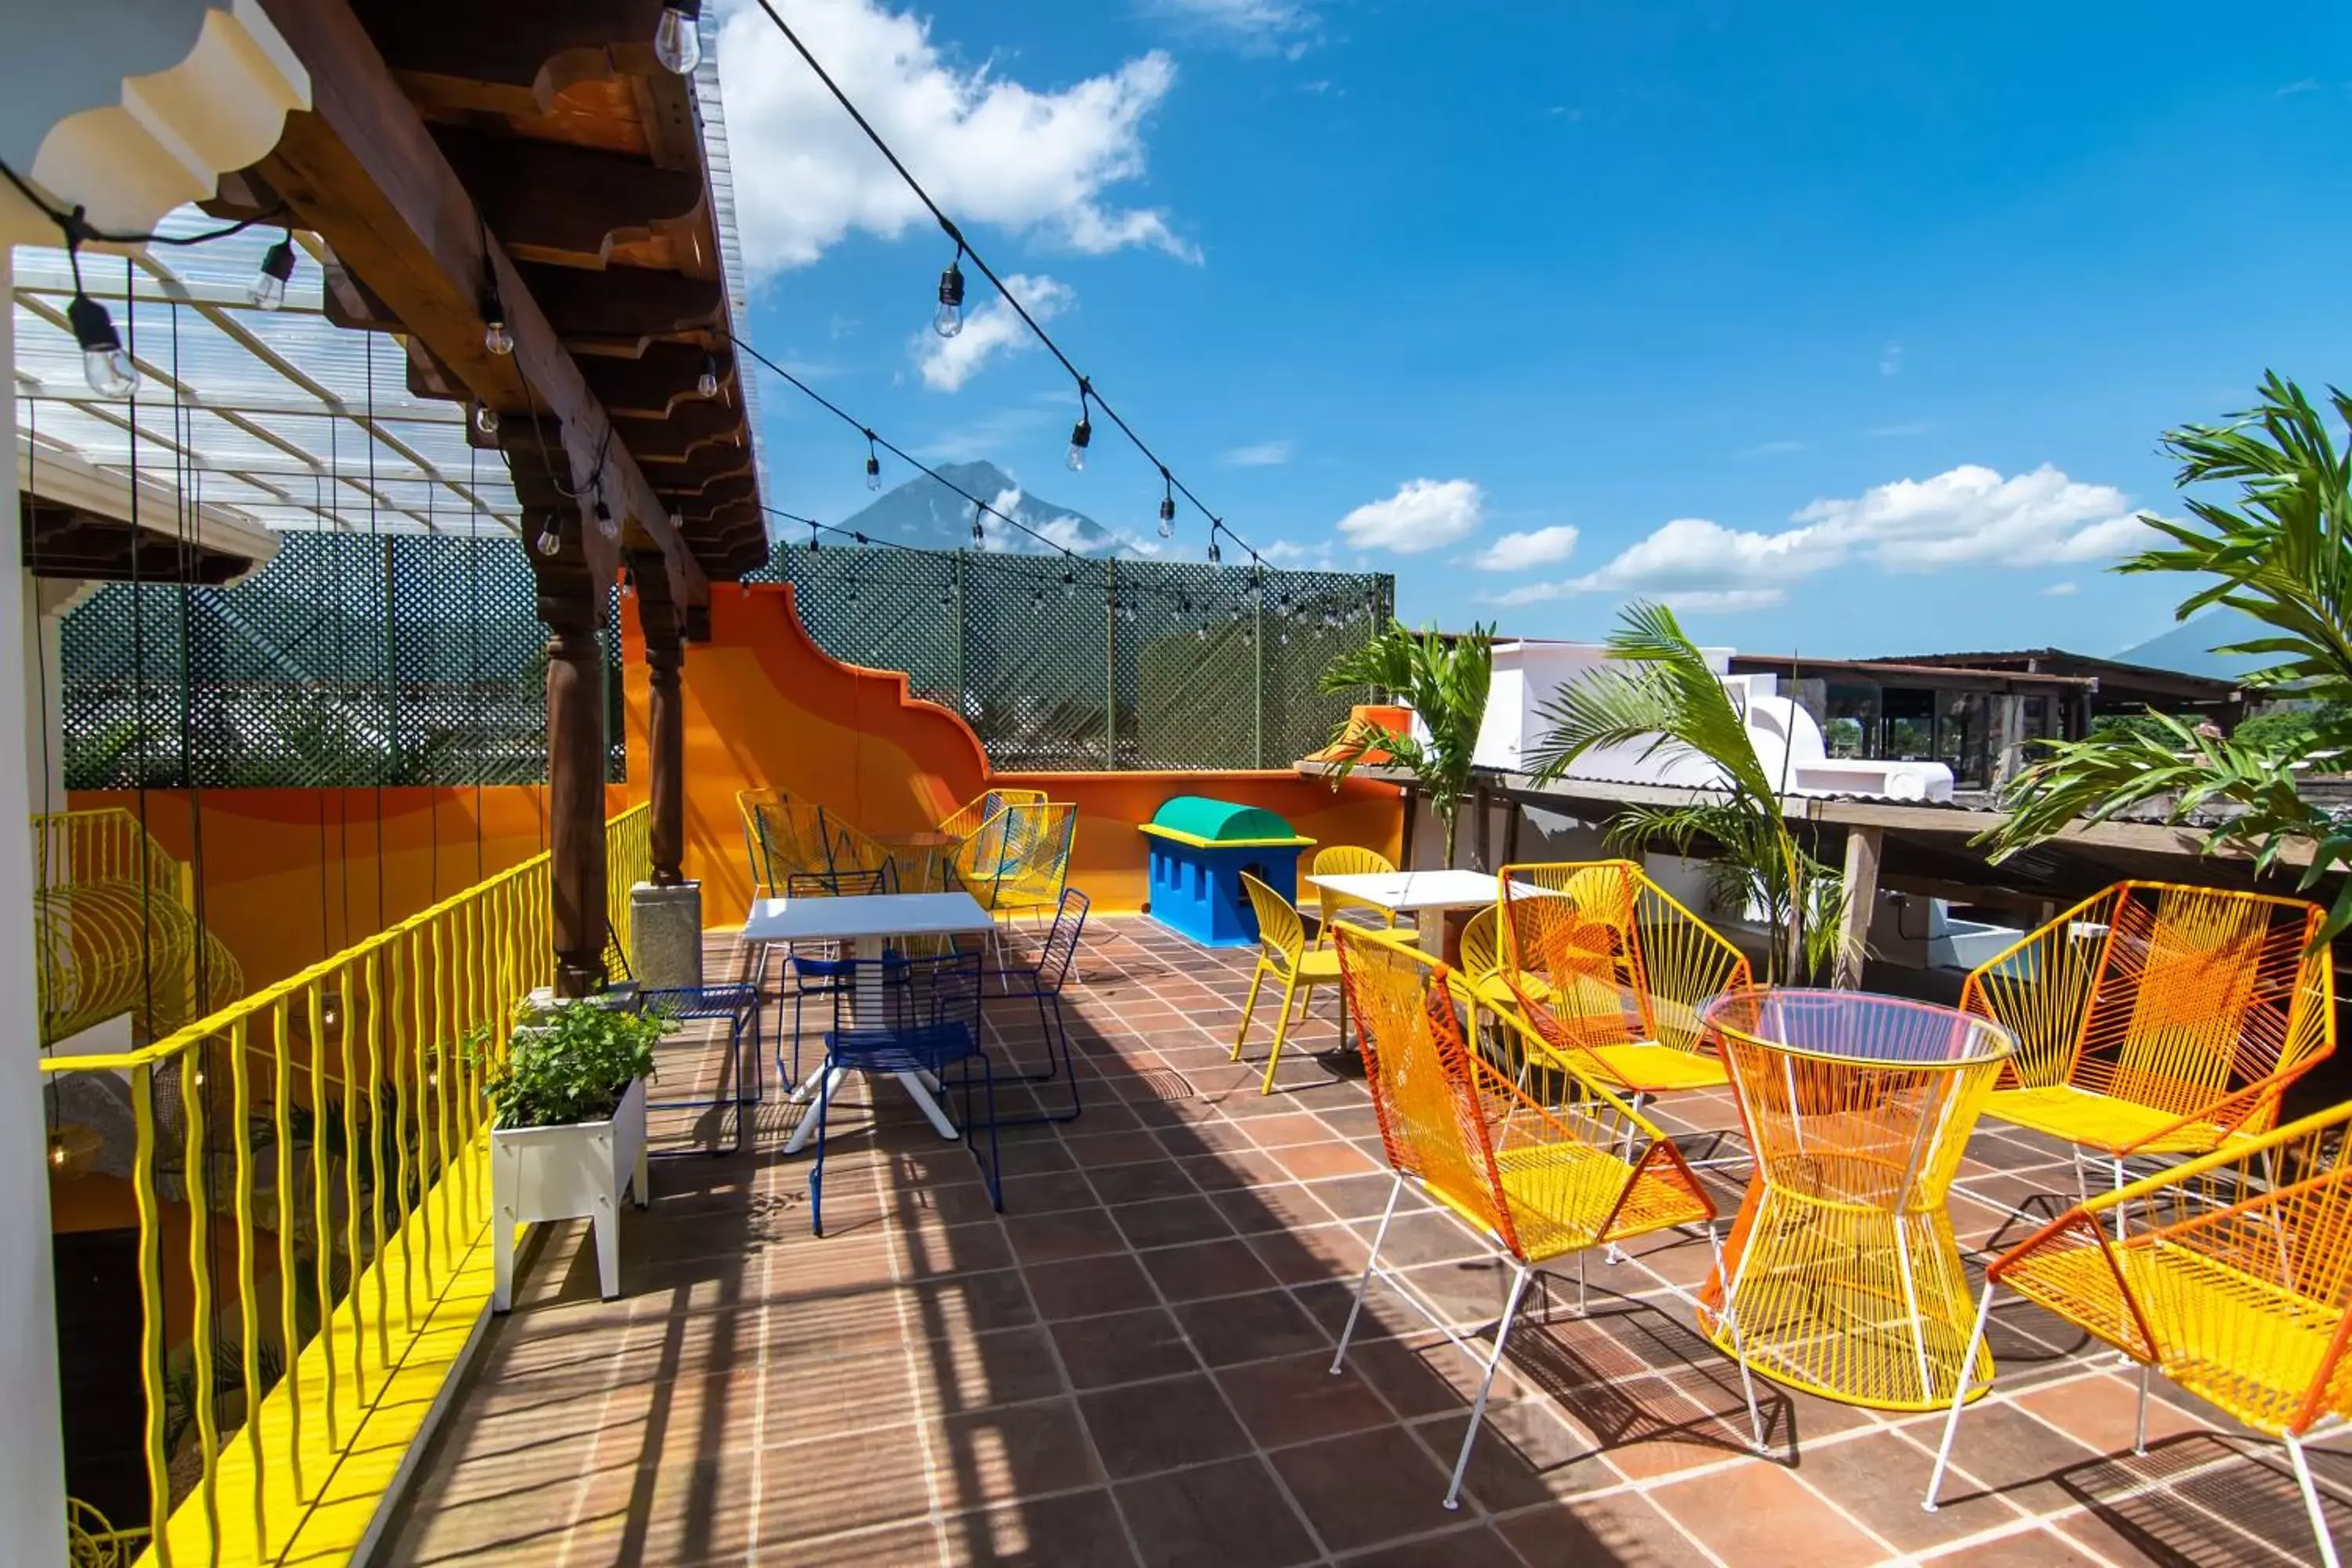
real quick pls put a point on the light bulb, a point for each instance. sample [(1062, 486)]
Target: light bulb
[(1037, 598), (706, 383), (872, 473), (606, 525), (267, 289), (496, 338), (107, 368), (1199, 634), (486, 419), (811, 539), (1168, 517), (979, 535), (1215, 554), (676, 43), (949, 319), (57, 1151), (1081, 434), (549, 543)]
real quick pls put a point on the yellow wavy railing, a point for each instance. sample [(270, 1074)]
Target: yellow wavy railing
[(115, 930), (337, 1250), (628, 860)]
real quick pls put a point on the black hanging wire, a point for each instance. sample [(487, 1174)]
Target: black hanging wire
[(474, 646), (963, 247), (138, 678), (75, 225), (384, 680), (191, 500)]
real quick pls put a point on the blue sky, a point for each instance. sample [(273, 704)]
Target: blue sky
[(1850, 330)]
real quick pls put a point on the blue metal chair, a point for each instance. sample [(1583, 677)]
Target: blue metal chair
[(910, 1016), (815, 969), (1042, 981), (739, 1005)]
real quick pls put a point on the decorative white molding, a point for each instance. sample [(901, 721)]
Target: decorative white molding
[(173, 133), (65, 476)]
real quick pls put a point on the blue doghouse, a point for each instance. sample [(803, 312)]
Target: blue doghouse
[(1200, 847)]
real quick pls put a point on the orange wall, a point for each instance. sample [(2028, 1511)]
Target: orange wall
[(766, 707), (291, 876)]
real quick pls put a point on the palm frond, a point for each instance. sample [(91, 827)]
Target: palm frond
[(1445, 681)]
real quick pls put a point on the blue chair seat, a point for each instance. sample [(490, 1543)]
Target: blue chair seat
[(926, 1050)]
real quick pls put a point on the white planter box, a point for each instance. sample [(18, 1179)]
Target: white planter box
[(540, 1174)]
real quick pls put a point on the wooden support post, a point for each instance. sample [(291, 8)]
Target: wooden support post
[(1862, 851), (568, 603), (665, 725)]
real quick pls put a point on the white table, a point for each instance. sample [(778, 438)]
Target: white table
[(865, 918), (1427, 896)]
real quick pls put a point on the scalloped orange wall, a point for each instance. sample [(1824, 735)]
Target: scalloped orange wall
[(766, 707)]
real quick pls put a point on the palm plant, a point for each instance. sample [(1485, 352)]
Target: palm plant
[(1665, 698), (1443, 680), (2281, 552)]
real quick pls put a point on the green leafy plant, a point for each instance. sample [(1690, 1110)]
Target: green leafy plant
[(1665, 698), (571, 1067), (1444, 681), (2279, 551)]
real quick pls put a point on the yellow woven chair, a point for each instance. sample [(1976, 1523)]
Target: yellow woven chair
[(1019, 859), (1534, 1177), (2157, 1019), (2232, 1278), (1283, 952), (1611, 973), (969, 819), (782, 837), (1347, 860)]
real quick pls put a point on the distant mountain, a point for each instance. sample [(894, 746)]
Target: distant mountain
[(925, 514), (2188, 648)]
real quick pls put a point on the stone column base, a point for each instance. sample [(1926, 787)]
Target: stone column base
[(665, 935)]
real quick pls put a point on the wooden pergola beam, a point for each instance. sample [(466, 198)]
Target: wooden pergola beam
[(361, 169)]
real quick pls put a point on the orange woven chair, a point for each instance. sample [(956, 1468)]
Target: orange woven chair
[(2234, 1279), (2156, 1019), (1283, 952), (1347, 860), (1612, 975), (1535, 1175)]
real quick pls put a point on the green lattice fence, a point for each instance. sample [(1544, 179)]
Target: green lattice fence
[(1089, 664), (347, 660)]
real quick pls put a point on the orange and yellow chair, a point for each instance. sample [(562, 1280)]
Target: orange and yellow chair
[(1283, 954), (970, 817), (1535, 1176), (2158, 1019), (2232, 1278), (1611, 975)]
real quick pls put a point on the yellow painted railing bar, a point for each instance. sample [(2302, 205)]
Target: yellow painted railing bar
[(300, 1467)]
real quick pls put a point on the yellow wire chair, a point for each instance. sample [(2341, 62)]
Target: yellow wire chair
[(2158, 1019), (1612, 974), (2233, 1280), (1857, 1110), (970, 817), (1019, 859), (1283, 954), (1535, 1175), (1348, 860)]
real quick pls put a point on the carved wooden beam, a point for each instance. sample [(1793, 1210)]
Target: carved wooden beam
[(360, 170), (624, 309), (552, 202), (659, 382)]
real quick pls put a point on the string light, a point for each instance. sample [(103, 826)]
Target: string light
[(551, 538), (873, 464), (979, 534), (1081, 433), (495, 336), (1167, 505), (1217, 556), (486, 419), (108, 370), (947, 319), (604, 523), (267, 289), (677, 45), (813, 531), (1069, 583), (706, 383)]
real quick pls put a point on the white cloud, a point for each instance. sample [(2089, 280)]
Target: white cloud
[(2060, 591), (948, 362), (2296, 88), (1263, 455), (1518, 552), (1890, 362), (1318, 557), (1423, 514), (1257, 25), (1967, 516), (990, 149)]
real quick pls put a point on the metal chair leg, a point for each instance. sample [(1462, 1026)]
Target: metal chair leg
[(1738, 1345), (1959, 1399), (1249, 1007), (1487, 1385), (1281, 1031), (1364, 1284), (2311, 1504), (2139, 1422)]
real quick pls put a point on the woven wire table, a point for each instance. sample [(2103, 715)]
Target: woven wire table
[(1844, 1276)]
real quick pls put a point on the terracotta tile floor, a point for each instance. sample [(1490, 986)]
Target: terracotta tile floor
[(1130, 1365)]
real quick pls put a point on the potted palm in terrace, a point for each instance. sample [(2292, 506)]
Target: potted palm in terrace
[(568, 1127), (1444, 680)]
